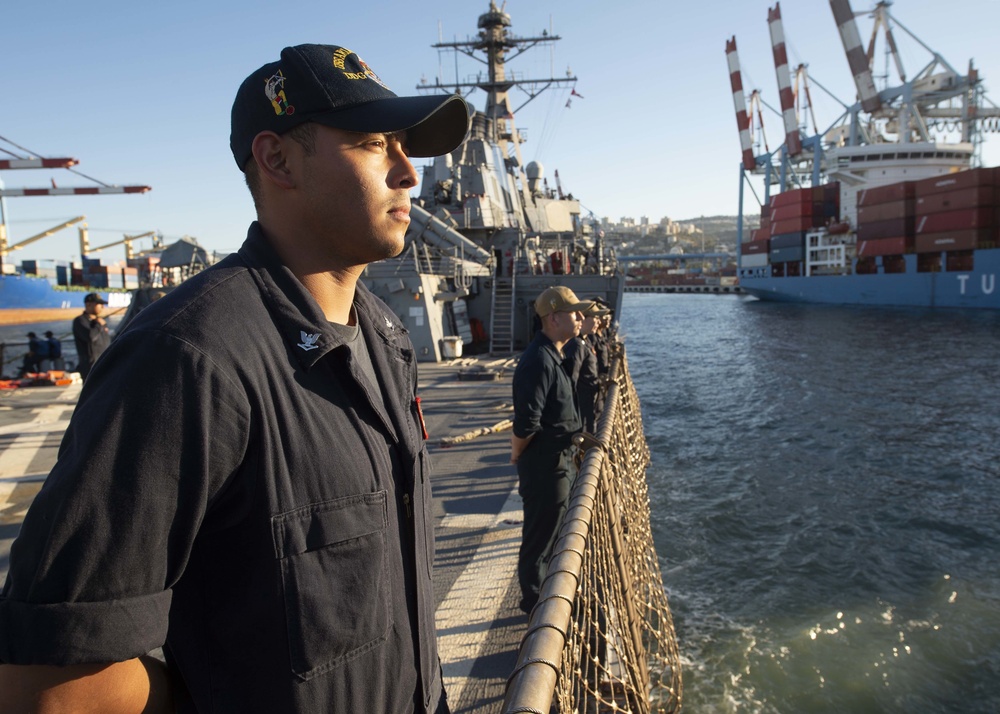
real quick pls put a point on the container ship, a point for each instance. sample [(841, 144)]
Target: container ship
[(28, 298), (43, 290), (888, 205)]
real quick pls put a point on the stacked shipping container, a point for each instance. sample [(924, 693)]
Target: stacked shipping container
[(949, 215), (885, 226), (783, 226), (91, 274), (49, 269), (146, 267), (112, 276), (955, 215)]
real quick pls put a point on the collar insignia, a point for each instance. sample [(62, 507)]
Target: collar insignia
[(308, 341)]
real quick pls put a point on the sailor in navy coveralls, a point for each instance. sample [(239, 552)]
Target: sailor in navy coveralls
[(244, 481), (546, 417)]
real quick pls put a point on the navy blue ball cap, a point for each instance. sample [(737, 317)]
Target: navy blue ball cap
[(331, 85)]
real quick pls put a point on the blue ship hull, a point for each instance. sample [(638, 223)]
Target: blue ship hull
[(23, 293), (973, 289)]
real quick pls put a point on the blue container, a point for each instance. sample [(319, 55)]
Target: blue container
[(787, 240), (787, 255), (97, 280), (39, 267)]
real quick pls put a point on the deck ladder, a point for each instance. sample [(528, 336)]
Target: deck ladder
[(502, 323)]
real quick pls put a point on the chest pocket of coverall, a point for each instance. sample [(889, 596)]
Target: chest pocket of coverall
[(333, 571)]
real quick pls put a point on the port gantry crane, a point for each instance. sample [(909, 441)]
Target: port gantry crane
[(126, 240), (34, 162), (936, 97)]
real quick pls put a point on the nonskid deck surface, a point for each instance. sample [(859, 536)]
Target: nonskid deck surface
[(477, 516), (32, 422)]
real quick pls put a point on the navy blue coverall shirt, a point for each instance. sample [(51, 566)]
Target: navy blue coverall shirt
[(546, 410), (234, 488)]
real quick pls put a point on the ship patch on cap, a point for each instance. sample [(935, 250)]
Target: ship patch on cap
[(274, 88)]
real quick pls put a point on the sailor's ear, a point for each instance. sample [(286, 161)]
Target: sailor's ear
[(270, 153)]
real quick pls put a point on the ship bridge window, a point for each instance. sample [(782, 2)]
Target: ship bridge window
[(903, 155), (928, 154), (886, 157)]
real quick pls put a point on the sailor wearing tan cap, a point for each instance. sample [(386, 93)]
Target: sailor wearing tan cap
[(545, 419), (582, 360)]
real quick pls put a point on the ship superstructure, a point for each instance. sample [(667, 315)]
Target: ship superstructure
[(889, 204), (487, 234)]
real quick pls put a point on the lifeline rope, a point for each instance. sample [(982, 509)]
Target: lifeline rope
[(601, 638), (469, 435)]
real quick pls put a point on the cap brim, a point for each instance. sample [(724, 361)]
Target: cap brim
[(435, 124), (578, 307)]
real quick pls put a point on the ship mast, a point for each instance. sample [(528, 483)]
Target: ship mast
[(500, 46)]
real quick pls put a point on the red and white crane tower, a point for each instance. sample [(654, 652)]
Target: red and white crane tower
[(936, 112), (739, 100), (857, 58), (793, 144)]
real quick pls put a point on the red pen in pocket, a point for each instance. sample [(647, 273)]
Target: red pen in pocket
[(420, 415)]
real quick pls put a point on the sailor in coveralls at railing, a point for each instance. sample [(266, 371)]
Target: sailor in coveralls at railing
[(546, 417), (244, 481)]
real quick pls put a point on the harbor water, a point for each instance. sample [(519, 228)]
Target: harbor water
[(825, 492)]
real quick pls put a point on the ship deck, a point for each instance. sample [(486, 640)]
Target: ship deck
[(477, 515)]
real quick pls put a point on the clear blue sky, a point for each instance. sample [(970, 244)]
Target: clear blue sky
[(141, 93)]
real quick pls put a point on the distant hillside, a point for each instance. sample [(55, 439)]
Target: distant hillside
[(721, 230), (711, 232)]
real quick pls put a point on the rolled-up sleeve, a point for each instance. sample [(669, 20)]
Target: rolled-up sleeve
[(158, 432)]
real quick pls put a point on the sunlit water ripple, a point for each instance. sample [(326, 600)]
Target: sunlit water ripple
[(825, 492)]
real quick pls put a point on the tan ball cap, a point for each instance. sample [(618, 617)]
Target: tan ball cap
[(560, 299)]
